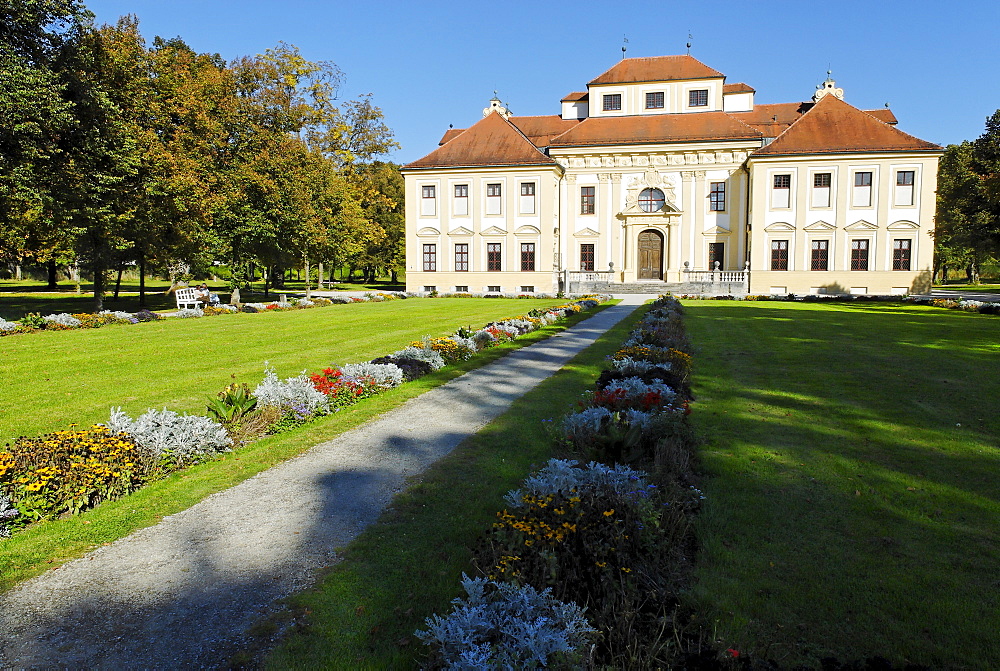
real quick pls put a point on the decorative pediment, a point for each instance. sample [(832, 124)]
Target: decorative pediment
[(494, 230), (861, 225), (902, 226), (428, 230), (651, 179), (528, 230), (716, 231), (779, 226), (820, 226), (587, 233), (461, 230)]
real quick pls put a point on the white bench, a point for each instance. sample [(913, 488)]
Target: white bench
[(188, 298)]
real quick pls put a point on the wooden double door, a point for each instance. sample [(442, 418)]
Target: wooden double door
[(650, 246)]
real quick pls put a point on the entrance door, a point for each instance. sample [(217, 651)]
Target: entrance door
[(650, 255)]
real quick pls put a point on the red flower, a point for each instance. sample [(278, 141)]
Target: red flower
[(734, 652)]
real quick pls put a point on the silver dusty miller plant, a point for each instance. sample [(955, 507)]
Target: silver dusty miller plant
[(162, 433), (504, 626)]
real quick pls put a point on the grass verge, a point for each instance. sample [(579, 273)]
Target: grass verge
[(407, 565), (853, 507), (49, 544)]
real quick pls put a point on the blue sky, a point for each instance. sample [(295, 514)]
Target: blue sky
[(432, 63)]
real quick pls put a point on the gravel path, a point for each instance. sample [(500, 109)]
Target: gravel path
[(183, 593)]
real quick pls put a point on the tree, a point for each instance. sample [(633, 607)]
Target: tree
[(967, 221), (37, 115)]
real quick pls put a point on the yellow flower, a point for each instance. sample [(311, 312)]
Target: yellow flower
[(609, 513)]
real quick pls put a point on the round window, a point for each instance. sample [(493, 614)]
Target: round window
[(651, 200)]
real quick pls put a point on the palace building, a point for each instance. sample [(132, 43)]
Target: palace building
[(663, 177)]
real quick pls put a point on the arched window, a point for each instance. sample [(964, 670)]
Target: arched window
[(651, 200)]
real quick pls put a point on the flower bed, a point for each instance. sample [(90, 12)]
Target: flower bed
[(61, 473), (612, 537)]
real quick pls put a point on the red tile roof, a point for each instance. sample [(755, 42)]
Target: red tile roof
[(831, 126), (656, 128), (493, 141), (656, 69), (738, 88), (575, 96), (539, 129), (772, 119), (450, 134)]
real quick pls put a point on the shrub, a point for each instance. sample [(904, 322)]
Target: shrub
[(293, 392), (611, 542), (412, 368), (383, 375), (212, 310), (503, 626), (33, 320), (7, 513), (418, 352), (451, 349), (62, 319), (70, 471), (147, 316), (172, 439), (342, 390), (7, 327), (249, 309), (186, 313), (232, 404)]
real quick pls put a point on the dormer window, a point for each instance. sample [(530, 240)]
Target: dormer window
[(612, 102), (698, 98), (654, 101), (651, 200)]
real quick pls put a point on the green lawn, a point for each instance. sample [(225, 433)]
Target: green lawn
[(54, 378), (979, 288), (311, 339), (853, 497)]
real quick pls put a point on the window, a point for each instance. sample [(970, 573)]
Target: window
[(779, 254), (859, 255), (428, 200), (900, 254), (820, 255), (430, 258), (493, 261), (716, 253), (429, 288), (698, 98), (651, 200), (862, 190), (821, 189), (587, 256), (654, 101), (462, 256), (904, 187), (494, 196), (462, 199), (527, 197), (494, 288), (587, 199), (462, 288), (527, 256), (529, 289), (717, 197), (780, 194), (612, 102)]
